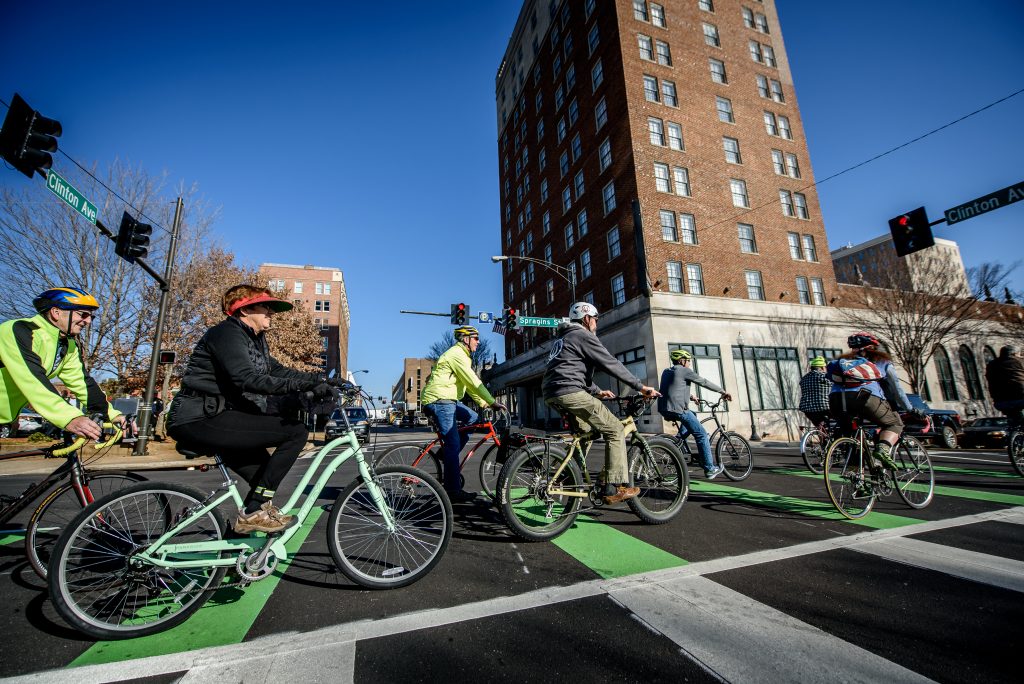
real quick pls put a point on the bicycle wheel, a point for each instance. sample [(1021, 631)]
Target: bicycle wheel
[(1015, 448), (60, 506), (408, 454), (733, 452), (368, 552), (490, 468), (101, 588), (847, 479), (915, 479), (523, 485), (812, 448), (658, 469)]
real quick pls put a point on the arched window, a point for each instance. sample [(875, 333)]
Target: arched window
[(945, 370), (970, 370), (988, 355)]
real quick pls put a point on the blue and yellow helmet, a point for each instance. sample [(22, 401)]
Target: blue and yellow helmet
[(67, 298)]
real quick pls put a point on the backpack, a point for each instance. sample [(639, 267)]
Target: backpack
[(852, 372)]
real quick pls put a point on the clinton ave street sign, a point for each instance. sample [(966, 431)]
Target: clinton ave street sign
[(990, 202), (74, 199)]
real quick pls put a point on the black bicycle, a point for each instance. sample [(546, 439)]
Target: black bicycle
[(731, 451), (65, 492), (1015, 444)]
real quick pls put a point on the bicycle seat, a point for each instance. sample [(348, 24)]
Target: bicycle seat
[(191, 450)]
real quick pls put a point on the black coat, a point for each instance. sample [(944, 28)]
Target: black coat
[(1005, 379)]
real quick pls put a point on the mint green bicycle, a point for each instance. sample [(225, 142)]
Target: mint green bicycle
[(145, 558)]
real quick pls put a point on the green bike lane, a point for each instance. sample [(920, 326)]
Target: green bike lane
[(308, 591)]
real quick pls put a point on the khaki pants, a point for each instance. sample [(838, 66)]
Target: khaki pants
[(585, 410)]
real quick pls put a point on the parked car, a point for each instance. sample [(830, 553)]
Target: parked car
[(29, 422), (9, 429), (358, 418), (985, 432), (946, 424)]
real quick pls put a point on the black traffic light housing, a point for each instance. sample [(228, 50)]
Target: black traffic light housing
[(168, 356), (132, 239), (460, 314), (27, 138), (511, 318), (911, 232)]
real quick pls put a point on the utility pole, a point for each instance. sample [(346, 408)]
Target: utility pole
[(146, 409)]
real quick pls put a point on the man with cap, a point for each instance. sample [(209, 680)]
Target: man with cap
[(1005, 376), (814, 390), (674, 405)]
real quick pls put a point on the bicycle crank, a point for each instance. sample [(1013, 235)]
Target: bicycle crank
[(256, 565)]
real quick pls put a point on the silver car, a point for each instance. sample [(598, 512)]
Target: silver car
[(358, 418)]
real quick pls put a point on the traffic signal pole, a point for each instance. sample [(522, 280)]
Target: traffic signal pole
[(146, 409)]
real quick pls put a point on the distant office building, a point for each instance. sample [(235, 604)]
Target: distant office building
[(875, 263), (321, 291), (411, 382)]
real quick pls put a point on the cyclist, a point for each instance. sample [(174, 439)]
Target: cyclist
[(872, 400), (1005, 376), (34, 350), (814, 389), (451, 379), (568, 387), (222, 404), (674, 405)]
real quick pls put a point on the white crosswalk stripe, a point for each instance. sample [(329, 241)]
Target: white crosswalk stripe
[(978, 567)]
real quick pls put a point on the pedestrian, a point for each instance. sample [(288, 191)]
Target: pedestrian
[(157, 418), (814, 389), (674, 405), (1005, 376)]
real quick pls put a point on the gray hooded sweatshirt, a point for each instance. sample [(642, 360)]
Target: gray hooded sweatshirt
[(574, 356), (675, 388)]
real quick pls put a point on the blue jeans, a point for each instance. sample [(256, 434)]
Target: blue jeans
[(689, 424), (448, 416)]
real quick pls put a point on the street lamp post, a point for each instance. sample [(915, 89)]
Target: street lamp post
[(754, 437), (567, 273)]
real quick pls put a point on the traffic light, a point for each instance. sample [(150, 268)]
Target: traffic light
[(27, 138), (911, 232), (460, 314), (511, 318), (132, 239), (168, 356)]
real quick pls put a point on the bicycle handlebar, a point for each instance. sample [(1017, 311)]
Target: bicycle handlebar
[(81, 441)]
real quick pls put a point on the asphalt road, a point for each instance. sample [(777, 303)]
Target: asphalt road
[(754, 581)]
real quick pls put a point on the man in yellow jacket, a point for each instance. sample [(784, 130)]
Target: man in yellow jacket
[(34, 350), (451, 378)]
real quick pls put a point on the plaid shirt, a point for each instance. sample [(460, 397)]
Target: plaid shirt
[(814, 389)]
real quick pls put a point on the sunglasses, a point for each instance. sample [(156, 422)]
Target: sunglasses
[(84, 315)]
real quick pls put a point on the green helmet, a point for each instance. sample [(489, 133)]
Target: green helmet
[(680, 354), (818, 362)]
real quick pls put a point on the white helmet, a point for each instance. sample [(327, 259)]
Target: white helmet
[(580, 309)]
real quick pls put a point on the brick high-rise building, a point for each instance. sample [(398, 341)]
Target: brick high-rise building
[(406, 390), (321, 291), (656, 151)]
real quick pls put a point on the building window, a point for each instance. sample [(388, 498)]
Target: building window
[(597, 75), (542, 159), (574, 112), (640, 10), (718, 74), (681, 181), (544, 190), (297, 288), (668, 92), (522, 280), (724, 107), (577, 184), (566, 199), (605, 154), (755, 289), (661, 182), (810, 253), (658, 15), (755, 51), (675, 276), (778, 162), (970, 370), (792, 166), (601, 114), (585, 263), (770, 124), (748, 245), (762, 23), (547, 253), (694, 279), (946, 382), (748, 18), (614, 248), (650, 88), (802, 290), (732, 150), (664, 53), (801, 205), (711, 35), (784, 129), (559, 97), (772, 374), (675, 136), (687, 229), (618, 290), (549, 289), (646, 47), (608, 198), (593, 38), (794, 246), (739, 193), (562, 130), (570, 76), (769, 56), (669, 232), (563, 164), (582, 226), (817, 292), (706, 5), (762, 87), (656, 128), (777, 91), (545, 223)]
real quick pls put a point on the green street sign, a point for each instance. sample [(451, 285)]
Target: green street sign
[(74, 199), (531, 322)]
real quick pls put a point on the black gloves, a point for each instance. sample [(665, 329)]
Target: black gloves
[(323, 391), (341, 384)]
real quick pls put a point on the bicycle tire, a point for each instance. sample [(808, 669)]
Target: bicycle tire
[(733, 453), (914, 476), (1015, 450), (60, 506), (812, 449), (407, 454), (490, 468), (846, 479), (660, 473), (374, 557), (98, 591), (529, 511)]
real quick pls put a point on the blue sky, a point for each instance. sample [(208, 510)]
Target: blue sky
[(368, 129)]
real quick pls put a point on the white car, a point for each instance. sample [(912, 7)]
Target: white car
[(29, 422)]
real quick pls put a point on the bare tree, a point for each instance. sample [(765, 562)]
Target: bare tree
[(913, 323), (481, 356), (992, 279)]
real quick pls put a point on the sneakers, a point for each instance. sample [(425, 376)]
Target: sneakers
[(884, 455), (714, 472), (267, 519), (461, 496), (615, 494)]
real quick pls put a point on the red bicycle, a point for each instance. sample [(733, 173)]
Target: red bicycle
[(428, 457)]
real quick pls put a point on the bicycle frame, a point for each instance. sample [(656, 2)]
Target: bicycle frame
[(438, 441), (160, 553), (628, 428)]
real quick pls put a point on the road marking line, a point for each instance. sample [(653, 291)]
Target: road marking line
[(287, 642), (971, 565)]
